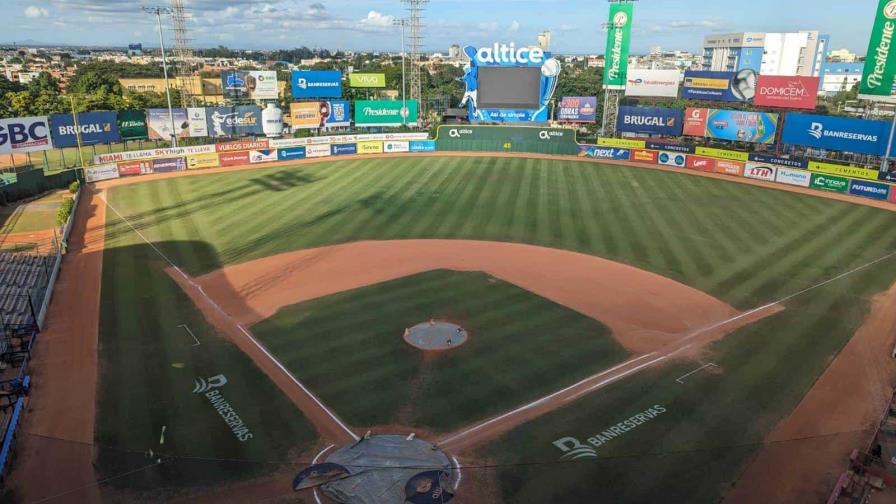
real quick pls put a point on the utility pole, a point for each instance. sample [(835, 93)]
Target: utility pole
[(415, 22), (404, 104), (183, 54), (157, 12)]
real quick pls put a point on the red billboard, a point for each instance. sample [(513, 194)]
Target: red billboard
[(735, 168), (701, 163), (695, 121), (134, 168), (242, 146), (644, 156), (234, 158), (893, 193), (790, 92)]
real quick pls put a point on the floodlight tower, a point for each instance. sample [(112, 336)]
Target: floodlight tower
[(183, 53), (157, 12), (415, 38)]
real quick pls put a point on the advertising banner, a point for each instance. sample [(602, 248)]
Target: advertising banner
[(653, 83), (198, 122), (344, 149), (320, 114), (760, 171), (618, 39), (290, 153), (790, 92), (234, 158), (25, 134), (397, 147), (200, 161), (384, 113), (735, 168), (844, 171), (316, 83), (893, 194), (794, 177), (102, 172), (593, 151), (780, 161), (577, 109), (159, 124), (250, 85), (371, 147), (650, 120), (873, 190), (314, 151), (263, 156), (643, 156), (719, 86), (366, 80), (132, 125), (168, 165), (880, 64), (701, 163), (887, 176), (836, 133), (129, 168), (243, 120), (687, 149), (242, 146), (671, 159), (94, 127), (733, 125), (153, 153), (829, 183), (423, 145), (722, 154), (621, 142)]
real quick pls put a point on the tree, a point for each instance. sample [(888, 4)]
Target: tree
[(44, 82), (91, 81), (7, 85)]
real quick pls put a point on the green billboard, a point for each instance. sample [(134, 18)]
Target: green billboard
[(829, 183), (132, 125), (385, 113), (507, 139), (619, 34), (367, 80), (880, 64)]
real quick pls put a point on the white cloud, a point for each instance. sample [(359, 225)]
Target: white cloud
[(36, 12), (515, 26), (376, 19)]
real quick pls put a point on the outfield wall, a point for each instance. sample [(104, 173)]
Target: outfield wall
[(822, 176)]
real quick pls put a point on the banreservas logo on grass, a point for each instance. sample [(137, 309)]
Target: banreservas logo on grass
[(573, 449), (210, 388)]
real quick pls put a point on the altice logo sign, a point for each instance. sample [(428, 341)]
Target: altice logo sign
[(509, 54)]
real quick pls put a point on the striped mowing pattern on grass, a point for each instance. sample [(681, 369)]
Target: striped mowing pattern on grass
[(743, 244)]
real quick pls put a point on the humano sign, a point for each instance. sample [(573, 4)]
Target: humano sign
[(880, 65)]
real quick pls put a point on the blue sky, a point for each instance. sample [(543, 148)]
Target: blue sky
[(366, 24)]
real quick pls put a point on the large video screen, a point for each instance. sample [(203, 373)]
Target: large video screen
[(509, 87)]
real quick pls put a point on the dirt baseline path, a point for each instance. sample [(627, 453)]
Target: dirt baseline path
[(645, 311)]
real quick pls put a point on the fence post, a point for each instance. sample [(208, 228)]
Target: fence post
[(33, 313)]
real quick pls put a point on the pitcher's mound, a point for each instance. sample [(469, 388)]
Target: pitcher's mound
[(435, 335)]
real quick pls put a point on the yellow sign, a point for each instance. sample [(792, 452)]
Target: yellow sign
[(843, 171), (198, 161), (621, 143), (706, 83), (722, 154), (305, 115), (370, 147)]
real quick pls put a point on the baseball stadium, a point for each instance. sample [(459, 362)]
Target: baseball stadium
[(503, 310)]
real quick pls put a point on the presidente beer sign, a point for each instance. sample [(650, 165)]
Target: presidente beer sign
[(880, 64), (618, 40)]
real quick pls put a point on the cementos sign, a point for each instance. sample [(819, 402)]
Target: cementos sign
[(24, 134), (316, 83), (869, 189), (836, 133), (795, 92), (650, 120)]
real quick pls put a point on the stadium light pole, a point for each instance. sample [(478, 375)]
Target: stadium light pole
[(157, 12), (404, 105)]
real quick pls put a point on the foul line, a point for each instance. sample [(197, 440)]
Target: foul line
[(701, 368), (456, 466), (191, 334), (251, 338)]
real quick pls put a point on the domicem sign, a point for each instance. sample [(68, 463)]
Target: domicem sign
[(795, 92)]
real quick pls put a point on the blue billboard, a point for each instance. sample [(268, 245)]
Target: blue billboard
[(650, 120), (869, 189), (596, 152), (859, 136), (688, 149), (94, 127), (291, 153), (577, 109), (741, 126), (316, 83), (243, 120), (719, 86), (423, 146), (779, 161), (344, 149)]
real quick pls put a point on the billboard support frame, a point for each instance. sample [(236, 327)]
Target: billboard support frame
[(886, 160)]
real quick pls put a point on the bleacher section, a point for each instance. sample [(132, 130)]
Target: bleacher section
[(23, 279)]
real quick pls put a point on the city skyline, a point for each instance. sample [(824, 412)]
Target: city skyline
[(368, 25)]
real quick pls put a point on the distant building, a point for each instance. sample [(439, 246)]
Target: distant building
[(800, 53), (544, 40), (135, 50), (454, 52), (839, 77), (842, 56)]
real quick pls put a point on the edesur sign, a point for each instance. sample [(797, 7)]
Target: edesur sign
[(880, 64), (787, 92)]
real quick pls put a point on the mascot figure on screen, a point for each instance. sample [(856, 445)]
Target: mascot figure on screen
[(502, 55)]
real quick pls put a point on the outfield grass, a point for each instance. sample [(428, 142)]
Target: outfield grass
[(37, 215), (349, 349)]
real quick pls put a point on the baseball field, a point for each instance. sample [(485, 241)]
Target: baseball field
[(635, 335)]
